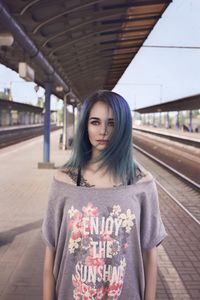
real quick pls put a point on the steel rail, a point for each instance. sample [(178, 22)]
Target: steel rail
[(188, 180), (164, 189), (177, 202), (173, 137)]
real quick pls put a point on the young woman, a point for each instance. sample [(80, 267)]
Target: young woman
[(103, 221)]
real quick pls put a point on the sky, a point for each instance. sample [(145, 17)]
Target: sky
[(156, 74), (162, 74)]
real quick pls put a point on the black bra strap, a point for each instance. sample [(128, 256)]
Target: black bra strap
[(78, 182)]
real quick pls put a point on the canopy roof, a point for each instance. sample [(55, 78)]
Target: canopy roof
[(88, 44), (12, 105), (187, 103)]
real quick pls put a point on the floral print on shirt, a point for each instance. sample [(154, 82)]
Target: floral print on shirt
[(98, 243)]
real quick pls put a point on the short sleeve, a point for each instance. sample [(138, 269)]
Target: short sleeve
[(50, 226), (152, 229)]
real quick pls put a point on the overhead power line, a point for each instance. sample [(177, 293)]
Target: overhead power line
[(171, 47)]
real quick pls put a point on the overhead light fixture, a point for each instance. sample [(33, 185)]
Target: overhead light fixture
[(59, 88), (6, 39), (26, 72)]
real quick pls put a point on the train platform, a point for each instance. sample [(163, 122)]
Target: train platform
[(23, 200), (179, 133), (5, 128)]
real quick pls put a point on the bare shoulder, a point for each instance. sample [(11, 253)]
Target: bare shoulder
[(66, 175), (146, 177), (142, 174)]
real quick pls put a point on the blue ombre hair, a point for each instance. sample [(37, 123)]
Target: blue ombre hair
[(117, 157)]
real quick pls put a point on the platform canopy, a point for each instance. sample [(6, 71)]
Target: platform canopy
[(13, 105), (82, 45), (186, 103)]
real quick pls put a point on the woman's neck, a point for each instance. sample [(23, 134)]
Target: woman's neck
[(99, 177), (94, 167)]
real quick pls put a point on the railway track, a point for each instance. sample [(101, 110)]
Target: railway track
[(182, 158), (168, 167), (173, 137), (13, 136), (182, 190)]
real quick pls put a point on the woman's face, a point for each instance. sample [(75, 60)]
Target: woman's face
[(100, 126)]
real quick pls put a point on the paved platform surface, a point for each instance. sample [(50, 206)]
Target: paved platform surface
[(23, 199), (171, 131), (179, 254)]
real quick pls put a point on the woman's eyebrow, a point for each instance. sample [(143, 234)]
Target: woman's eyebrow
[(94, 118), (109, 119)]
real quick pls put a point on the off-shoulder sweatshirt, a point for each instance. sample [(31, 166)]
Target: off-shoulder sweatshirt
[(99, 235)]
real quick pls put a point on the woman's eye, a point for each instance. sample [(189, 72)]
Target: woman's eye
[(94, 123), (111, 124)]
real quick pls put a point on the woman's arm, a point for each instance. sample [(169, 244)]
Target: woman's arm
[(48, 278), (150, 269)]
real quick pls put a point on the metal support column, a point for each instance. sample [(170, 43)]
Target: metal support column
[(47, 128), (190, 121), (1, 117), (67, 124), (147, 119), (65, 143), (10, 117), (168, 125), (64, 134), (144, 119), (47, 122), (160, 119), (77, 116), (154, 120), (73, 109), (177, 120)]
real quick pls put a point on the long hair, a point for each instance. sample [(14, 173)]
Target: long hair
[(117, 157)]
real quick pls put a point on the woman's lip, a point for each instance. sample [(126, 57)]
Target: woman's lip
[(102, 141)]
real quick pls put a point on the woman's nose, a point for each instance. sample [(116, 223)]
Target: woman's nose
[(103, 129)]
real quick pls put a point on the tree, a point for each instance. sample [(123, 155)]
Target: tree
[(40, 102), (6, 94)]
